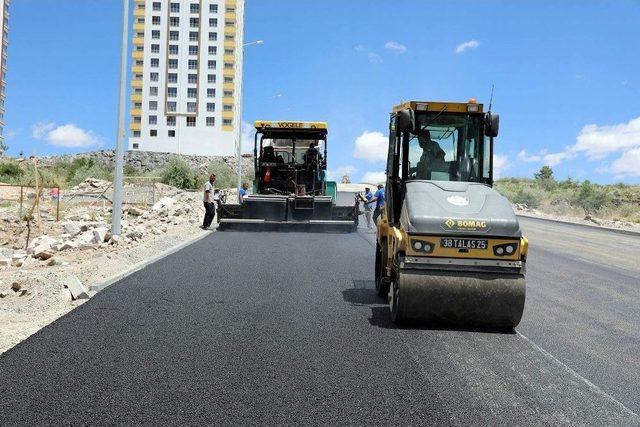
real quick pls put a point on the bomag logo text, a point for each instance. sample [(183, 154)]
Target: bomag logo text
[(291, 125), (465, 224)]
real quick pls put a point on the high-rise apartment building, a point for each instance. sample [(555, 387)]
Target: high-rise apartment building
[(186, 75), (4, 18)]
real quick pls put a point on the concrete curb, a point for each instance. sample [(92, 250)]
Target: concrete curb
[(575, 224), (139, 266)]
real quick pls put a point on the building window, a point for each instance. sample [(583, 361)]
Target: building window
[(155, 20), (211, 78), (173, 49), (153, 91), (157, 6), (195, 8), (153, 105), (174, 21), (229, 52), (191, 122), (213, 8), (193, 64), (174, 36), (155, 48), (154, 77), (193, 50), (175, 7), (136, 134), (229, 66), (192, 107), (171, 121), (137, 105), (213, 22), (211, 107), (172, 134), (153, 132), (228, 93), (229, 37), (227, 107), (193, 36), (213, 37), (213, 50), (172, 107), (194, 22), (172, 78), (212, 65), (155, 62), (227, 122), (136, 146), (228, 79), (192, 93), (155, 34), (153, 120), (211, 121), (231, 10), (193, 78), (211, 93), (172, 92), (173, 64)]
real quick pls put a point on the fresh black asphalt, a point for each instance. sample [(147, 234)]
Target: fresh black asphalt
[(285, 329)]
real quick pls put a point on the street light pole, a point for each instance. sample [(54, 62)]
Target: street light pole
[(116, 225), (239, 113)]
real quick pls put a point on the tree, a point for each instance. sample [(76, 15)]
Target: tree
[(544, 178), (592, 198)]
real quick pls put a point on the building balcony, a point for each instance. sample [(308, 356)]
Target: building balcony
[(231, 16), (137, 54), (228, 115), (229, 73), (138, 26), (135, 126), (229, 58), (227, 128), (137, 69), (136, 97), (229, 86), (137, 12), (136, 112), (138, 41), (135, 83)]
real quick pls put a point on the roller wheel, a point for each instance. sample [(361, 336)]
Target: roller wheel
[(382, 282), (396, 302)]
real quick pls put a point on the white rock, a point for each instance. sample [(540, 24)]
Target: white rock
[(63, 246), (71, 228), (42, 252), (42, 241), (76, 288), (5, 261), (100, 234), (165, 202)]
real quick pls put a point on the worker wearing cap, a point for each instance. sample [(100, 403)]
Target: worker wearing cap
[(431, 153), (244, 192), (378, 199)]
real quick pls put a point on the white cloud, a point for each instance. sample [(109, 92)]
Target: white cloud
[(10, 135), (374, 178), (395, 47), (471, 44), (627, 164), (360, 48), (372, 146), (500, 164), (597, 142), (337, 174), (523, 156), (374, 58), (553, 159), (69, 135)]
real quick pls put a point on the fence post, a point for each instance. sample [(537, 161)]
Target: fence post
[(58, 206), (21, 199)]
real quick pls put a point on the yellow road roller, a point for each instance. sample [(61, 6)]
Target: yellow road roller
[(449, 247)]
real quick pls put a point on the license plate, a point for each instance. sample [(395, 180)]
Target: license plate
[(451, 243)]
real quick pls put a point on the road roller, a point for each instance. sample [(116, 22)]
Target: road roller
[(449, 247)]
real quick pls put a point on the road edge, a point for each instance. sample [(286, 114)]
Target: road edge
[(576, 224), (143, 264)]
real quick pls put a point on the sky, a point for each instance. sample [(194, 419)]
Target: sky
[(567, 86)]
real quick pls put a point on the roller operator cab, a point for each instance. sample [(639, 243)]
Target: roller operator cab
[(290, 190), (449, 247)]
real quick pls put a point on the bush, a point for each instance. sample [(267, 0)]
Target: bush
[(179, 174), (591, 198), (528, 197), (10, 171), (227, 176)]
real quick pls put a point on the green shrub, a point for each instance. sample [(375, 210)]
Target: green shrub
[(591, 198), (227, 176), (131, 171), (179, 174), (528, 197), (10, 171)]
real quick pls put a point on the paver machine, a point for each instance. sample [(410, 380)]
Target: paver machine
[(449, 247), (290, 191)]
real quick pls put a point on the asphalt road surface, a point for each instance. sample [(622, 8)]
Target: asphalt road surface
[(285, 329)]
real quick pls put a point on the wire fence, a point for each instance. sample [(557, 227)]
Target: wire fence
[(21, 200)]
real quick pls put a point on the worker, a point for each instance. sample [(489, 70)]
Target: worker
[(244, 192), (366, 199), (431, 153), (268, 154), (209, 205), (378, 199), (312, 154)]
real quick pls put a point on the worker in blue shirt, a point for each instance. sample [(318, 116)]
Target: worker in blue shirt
[(378, 199), (366, 199), (244, 192)]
